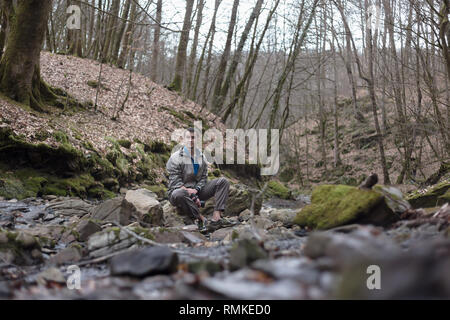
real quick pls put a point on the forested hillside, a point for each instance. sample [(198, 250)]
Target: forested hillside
[(341, 114)]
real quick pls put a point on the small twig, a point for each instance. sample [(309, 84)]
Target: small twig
[(133, 234), (103, 258)]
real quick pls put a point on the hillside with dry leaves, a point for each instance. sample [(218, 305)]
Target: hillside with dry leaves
[(151, 112)]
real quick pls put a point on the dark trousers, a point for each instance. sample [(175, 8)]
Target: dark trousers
[(217, 188)]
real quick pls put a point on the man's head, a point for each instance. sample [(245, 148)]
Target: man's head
[(190, 138)]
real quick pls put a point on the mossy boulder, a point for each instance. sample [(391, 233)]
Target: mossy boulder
[(277, 189), (336, 205), (433, 196)]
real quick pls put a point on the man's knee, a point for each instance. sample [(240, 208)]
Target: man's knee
[(223, 182), (178, 195)]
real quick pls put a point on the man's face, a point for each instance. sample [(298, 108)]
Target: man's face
[(190, 140)]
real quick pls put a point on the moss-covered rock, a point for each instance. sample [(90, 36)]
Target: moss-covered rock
[(335, 205), (277, 189), (19, 248), (28, 182), (431, 197)]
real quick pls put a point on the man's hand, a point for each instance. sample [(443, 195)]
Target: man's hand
[(197, 202), (189, 190)]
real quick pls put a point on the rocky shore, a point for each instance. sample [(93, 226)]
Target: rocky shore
[(137, 246)]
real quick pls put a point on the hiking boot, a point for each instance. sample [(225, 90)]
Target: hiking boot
[(221, 223), (202, 225)]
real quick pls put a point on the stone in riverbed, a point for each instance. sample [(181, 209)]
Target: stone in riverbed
[(347, 245), (202, 266), (111, 211), (245, 215), (69, 206), (336, 205), (69, 254), (240, 198), (86, 228), (419, 273), (244, 252), (143, 204), (19, 248), (172, 217), (285, 216), (145, 262), (50, 275), (432, 196)]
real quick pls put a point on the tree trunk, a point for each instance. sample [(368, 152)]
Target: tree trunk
[(193, 56), (224, 58), (19, 66), (219, 100), (126, 43), (119, 36), (177, 82), (444, 32), (156, 46)]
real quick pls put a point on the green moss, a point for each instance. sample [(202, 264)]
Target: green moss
[(100, 192), (430, 198), (160, 190), (124, 143), (53, 190), (276, 189), (335, 205), (143, 232), (156, 146), (42, 135), (61, 137)]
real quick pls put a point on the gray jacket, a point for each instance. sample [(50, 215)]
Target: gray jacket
[(181, 171)]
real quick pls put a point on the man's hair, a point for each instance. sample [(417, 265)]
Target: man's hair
[(190, 129)]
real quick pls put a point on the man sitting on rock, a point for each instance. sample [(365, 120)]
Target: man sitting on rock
[(188, 184)]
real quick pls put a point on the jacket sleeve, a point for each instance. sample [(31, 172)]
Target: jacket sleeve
[(175, 173), (201, 183)]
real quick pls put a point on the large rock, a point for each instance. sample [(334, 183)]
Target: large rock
[(419, 273), (145, 262), (19, 248), (67, 255), (285, 216), (432, 196), (86, 228), (108, 241), (172, 216), (114, 239), (143, 204), (348, 244), (393, 198), (335, 205), (240, 198), (111, 211)]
